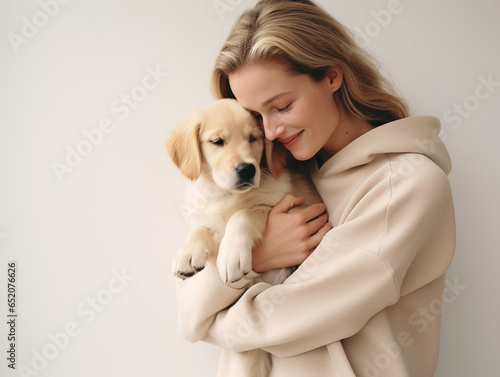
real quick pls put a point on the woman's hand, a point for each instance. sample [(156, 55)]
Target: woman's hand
[(289, 238)]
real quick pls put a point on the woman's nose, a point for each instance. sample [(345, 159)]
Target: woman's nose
[(271, 128)]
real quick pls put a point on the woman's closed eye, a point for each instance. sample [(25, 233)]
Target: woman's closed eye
[(284, 108)]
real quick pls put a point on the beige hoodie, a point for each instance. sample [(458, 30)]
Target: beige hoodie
[(368, 300)]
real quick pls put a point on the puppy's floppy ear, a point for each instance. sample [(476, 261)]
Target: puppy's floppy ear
[(276, 156), (183, 147)]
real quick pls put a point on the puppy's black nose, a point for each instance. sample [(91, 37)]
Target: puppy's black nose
[(245, 171)]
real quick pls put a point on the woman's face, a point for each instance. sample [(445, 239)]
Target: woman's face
[(299, 112)]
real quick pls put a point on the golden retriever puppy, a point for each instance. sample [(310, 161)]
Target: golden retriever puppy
[(238, 176)]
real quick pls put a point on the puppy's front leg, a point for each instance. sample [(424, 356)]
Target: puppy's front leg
[(193, 255), (243, 230)]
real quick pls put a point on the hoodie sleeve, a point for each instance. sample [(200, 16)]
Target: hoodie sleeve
[(357, 270)]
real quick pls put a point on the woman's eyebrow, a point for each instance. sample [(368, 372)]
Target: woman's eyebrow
[(275, 97)]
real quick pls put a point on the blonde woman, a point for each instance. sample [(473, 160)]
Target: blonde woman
[(367, 297)]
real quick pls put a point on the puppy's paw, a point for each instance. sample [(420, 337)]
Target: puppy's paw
[(189, 262), (233, 262)]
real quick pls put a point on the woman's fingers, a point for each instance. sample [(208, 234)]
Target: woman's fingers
[(317, 223), (313, 212), (288, 202), (290, 236), (307, 214), (316, 238)]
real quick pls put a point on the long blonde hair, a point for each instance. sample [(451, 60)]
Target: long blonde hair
[(309, 41)]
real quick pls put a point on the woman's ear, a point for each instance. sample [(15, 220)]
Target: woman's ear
[(276, 156), (335, 78), (183, 147)]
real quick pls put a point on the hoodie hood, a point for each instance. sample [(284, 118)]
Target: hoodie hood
[(419, 134)]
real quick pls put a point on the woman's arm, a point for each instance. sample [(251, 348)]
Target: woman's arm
[(356, 271), (288, 240)]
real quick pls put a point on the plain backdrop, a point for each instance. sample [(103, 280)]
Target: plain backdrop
[(89, 201)]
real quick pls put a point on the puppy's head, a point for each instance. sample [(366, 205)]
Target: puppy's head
[(223, 142)]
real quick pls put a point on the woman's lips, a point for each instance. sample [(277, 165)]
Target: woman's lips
[(289, 142)]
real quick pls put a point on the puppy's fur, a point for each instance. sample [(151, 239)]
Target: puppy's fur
[(238, 176)]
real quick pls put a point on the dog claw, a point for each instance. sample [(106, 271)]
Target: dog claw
[(230, 270), (187, 274), (183, 275), (244, 274), (188, 263)]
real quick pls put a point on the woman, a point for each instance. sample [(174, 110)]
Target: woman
[(366, 299)]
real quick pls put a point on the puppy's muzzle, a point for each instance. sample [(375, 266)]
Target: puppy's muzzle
[(246, 173)]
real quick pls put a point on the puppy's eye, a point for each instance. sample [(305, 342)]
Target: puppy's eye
[(218, 142), (253, 139)]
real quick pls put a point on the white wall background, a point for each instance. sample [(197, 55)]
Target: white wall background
[(67, 68)]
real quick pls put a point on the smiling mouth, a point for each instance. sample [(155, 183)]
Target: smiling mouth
[(290, 141)]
